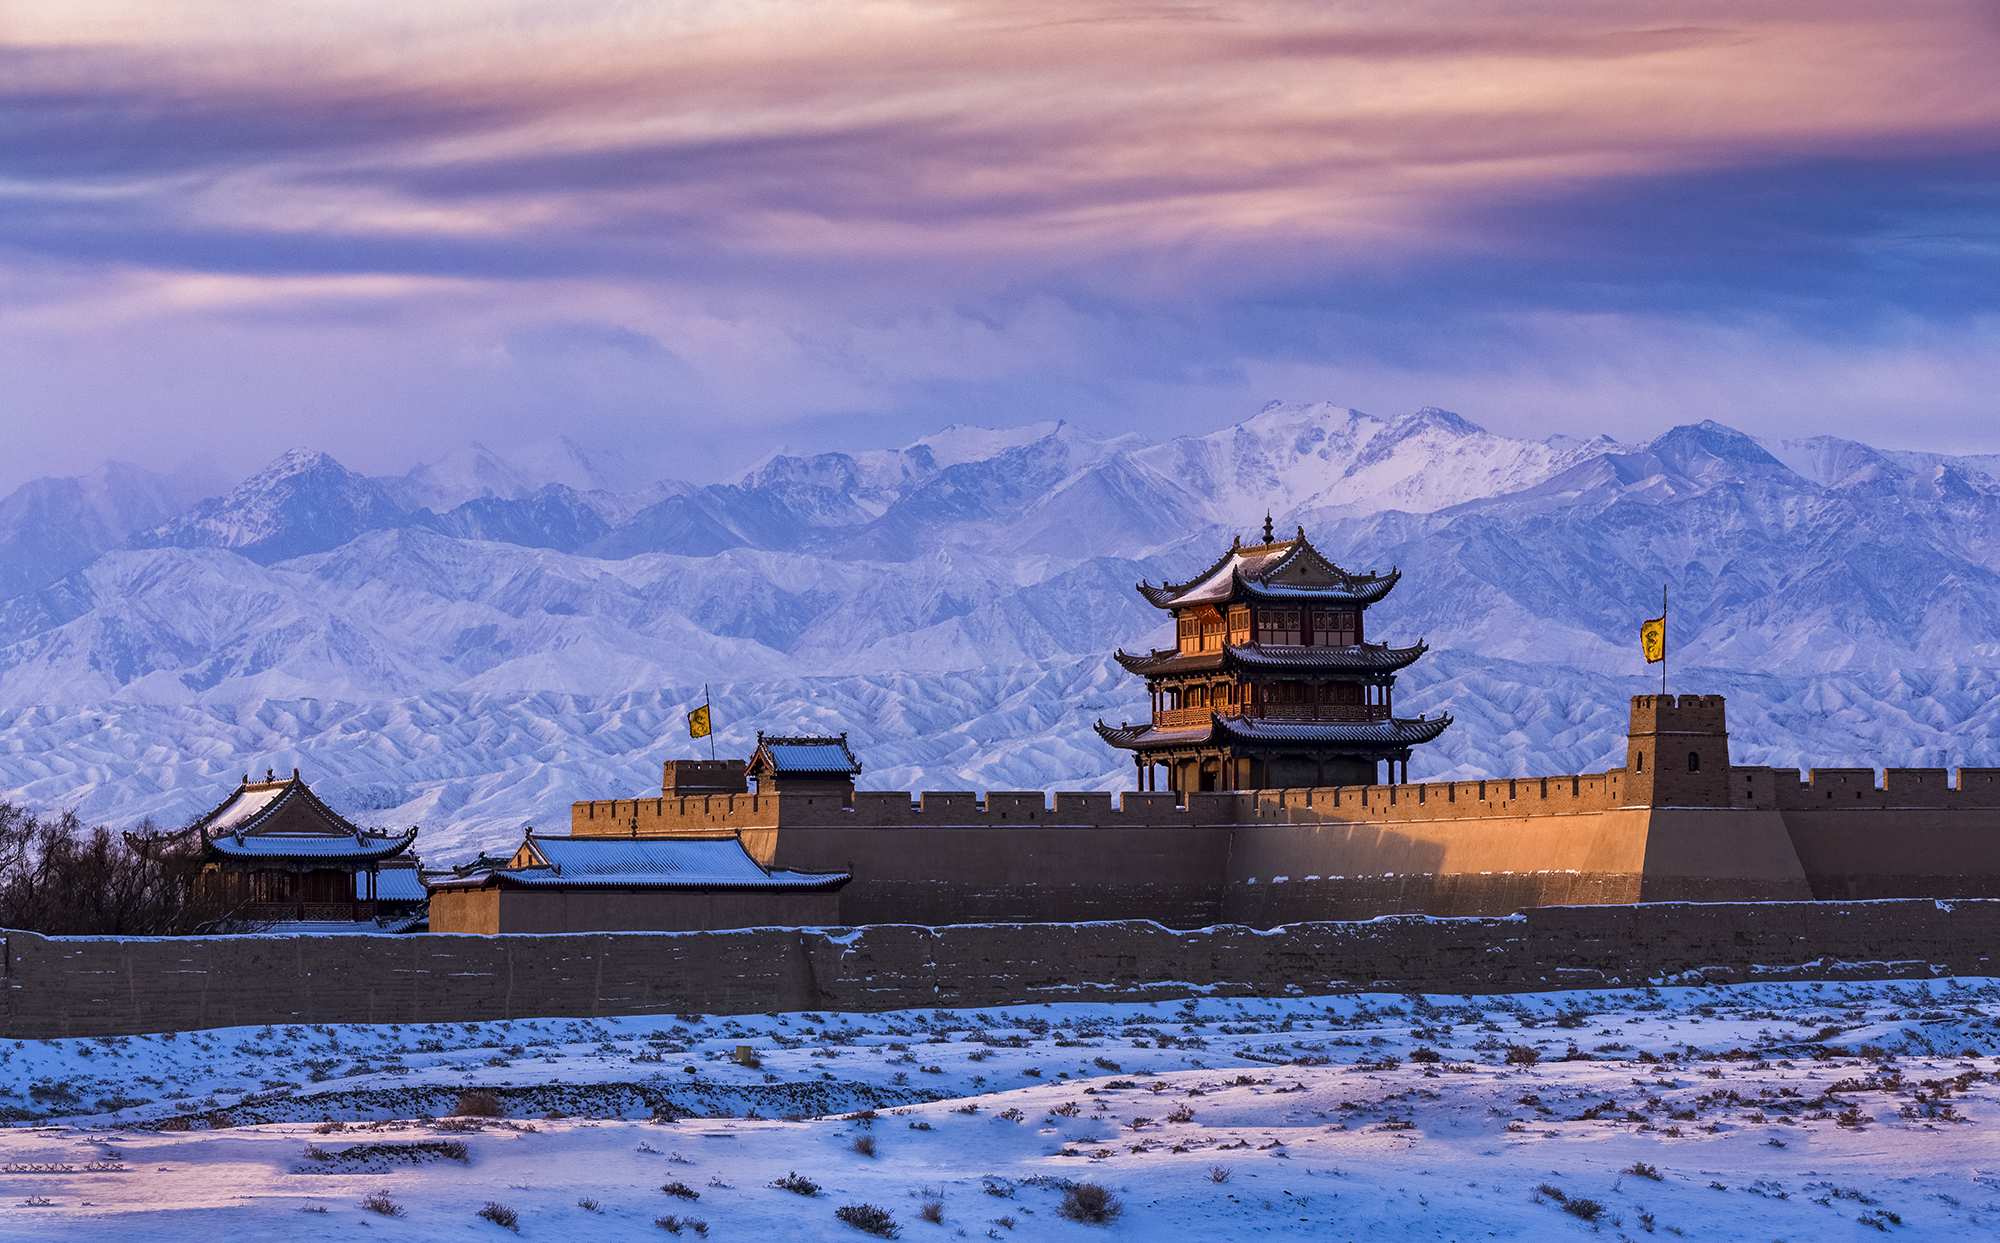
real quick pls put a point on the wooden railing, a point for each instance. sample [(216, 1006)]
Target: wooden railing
[(316, 911), (1194, 718), (1189, 718), (1319, 712)]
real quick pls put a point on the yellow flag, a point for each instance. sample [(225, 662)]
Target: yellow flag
[(1653, 638), (698, 722)]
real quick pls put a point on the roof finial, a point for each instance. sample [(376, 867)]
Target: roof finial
[(1267, 526)]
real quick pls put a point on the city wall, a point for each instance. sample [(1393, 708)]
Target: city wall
[(1440, 848), (57, 987)]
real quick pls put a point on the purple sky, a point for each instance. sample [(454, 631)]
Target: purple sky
[(694, 230)]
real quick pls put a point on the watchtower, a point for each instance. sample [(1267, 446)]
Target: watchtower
[(1273, 682), (1677, 753)]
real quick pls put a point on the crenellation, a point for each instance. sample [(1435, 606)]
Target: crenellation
[(1979, 787), (1923, 787), (1083, 806)]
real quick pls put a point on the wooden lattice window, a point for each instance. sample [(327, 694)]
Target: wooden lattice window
[(1335, 627), (1280, 626)]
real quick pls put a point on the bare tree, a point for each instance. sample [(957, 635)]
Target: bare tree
[(60, 877)]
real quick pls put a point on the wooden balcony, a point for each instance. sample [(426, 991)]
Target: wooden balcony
[(1195, 718)]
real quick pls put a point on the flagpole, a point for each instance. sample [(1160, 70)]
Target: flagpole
[(711, 717), (1663, 639)]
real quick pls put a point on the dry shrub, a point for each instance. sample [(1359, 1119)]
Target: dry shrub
[(379, 1202), (479, 1103), (501, 1215), (932, 1212), (674, 1225), (1091, 1204), (869, 1219), (864, 1144)]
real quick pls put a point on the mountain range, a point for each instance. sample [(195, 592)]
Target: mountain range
[(474, 644)]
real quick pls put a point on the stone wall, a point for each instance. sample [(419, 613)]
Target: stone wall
[(103, 986)]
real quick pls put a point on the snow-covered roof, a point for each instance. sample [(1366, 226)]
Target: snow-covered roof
[(283, 819), (244, 806), (804, 756), (1358, 657), (1288, 570), (639, 862), (1396, 732), (355, 849), (394, 885)]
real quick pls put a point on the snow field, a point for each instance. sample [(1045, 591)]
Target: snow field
[(1766, 1111)]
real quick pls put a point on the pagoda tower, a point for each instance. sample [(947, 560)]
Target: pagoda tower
[(1272, 682)]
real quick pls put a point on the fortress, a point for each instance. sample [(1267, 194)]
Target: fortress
[(1265, 857), (1272, 722), (1273, 678)]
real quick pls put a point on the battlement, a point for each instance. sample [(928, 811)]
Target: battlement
[(682, 778), (1507, 796), (1855, 789), (1694, 714), (1824, 789)]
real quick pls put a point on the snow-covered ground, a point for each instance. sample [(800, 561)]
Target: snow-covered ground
[(1766, 1111)]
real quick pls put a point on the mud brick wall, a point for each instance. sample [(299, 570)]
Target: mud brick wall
[(105, 986)]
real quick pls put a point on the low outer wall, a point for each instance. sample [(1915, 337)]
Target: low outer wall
[(103, 986)]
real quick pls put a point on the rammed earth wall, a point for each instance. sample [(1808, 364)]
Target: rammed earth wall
[(102, 986), (1264, 857)]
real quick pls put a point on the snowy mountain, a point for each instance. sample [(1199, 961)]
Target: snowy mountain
[(953, 604), (53, 527)]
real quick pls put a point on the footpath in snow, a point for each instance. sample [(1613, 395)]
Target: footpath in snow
[(1752, 1112)]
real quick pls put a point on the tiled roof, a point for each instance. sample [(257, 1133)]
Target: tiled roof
[(356, 849), (642, 863), (394, 885), (1397, 732), (285, 820), (804, 756), (1251, 571), (1359, 657)]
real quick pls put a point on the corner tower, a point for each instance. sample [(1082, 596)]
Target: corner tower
[(1272, 682), (1677, 753)]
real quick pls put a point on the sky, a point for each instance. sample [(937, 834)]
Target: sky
[(690, 232)]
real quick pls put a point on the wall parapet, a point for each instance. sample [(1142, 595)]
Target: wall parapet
[(1566, 794), (74, 987)]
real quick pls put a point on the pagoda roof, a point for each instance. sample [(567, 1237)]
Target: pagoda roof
[(808, 756), (693, 863), (283, 820), (1395, 733), (1358, 657), (1289, 571)]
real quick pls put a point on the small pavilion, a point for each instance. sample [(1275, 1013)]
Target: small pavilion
[(274, 853), (809, 764)]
